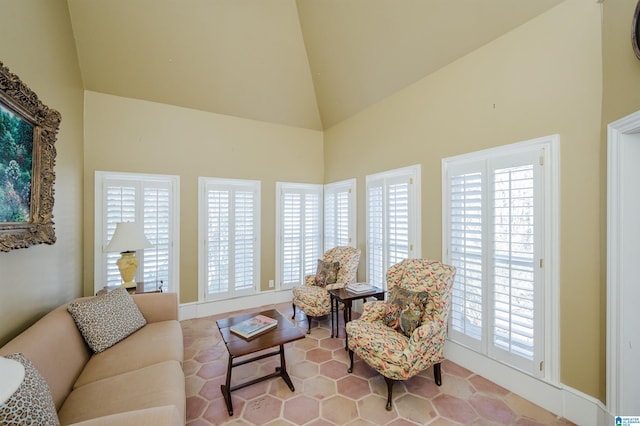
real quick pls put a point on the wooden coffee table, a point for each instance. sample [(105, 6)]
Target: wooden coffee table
[(346, 297), (237, 347)]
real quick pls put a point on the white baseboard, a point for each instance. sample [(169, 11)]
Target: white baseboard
[(205, 309), (560, 399)]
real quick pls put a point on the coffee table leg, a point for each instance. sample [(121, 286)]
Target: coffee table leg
[(226, 388), (283, 370)]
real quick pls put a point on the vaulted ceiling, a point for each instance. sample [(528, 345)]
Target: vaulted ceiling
[(302, 63)]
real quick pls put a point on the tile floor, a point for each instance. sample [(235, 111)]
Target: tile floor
[(326, 394)]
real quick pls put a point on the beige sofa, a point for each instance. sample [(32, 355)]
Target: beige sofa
[(138, 381)]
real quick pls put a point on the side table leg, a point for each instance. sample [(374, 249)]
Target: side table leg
[(332, 311), (347, 318), (226, 388)]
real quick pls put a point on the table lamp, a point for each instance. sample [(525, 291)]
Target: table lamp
[(11, 377), (128, 238)]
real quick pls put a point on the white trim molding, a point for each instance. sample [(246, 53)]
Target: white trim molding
[(617, 132), (215, 307)]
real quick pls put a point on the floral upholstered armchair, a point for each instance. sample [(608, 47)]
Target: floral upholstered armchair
[(405, 334), (338, 267)]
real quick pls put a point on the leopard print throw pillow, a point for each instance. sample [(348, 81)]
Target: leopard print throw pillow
[(106, 319), (31, 403)]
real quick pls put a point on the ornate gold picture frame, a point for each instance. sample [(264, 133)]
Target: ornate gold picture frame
[(28, 130)]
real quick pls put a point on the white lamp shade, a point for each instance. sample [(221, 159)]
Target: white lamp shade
[(129, 236), (11, 376)]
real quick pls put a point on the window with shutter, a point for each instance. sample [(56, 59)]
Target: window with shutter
[(229, 237), (298, 229), (393, 220), (151, 200), (495, 222), (339, 214)]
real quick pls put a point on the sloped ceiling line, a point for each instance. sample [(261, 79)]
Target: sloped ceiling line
[(301, 63)]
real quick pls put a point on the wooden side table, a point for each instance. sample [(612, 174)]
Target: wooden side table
[(140, 288), (346, 297), (238, 347)]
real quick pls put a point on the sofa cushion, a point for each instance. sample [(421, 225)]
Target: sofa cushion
[(153, 386), (155, 342), (106, 319), (156, 416), (58, 333), (32, 402)]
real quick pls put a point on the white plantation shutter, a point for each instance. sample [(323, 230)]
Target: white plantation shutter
[(229, 221), (466, 230), (514, 253), (494, 222), (376, 265), (147, 199), (245, 240), (155, 264), (312, 238), (339, 214), (291, 242), (299, 232), (217, 251), (398, 219), (393, 220)]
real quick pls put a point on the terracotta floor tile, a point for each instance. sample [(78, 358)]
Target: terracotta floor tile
[(453, 408), (301, 410), (492, 409), (318, 355), (195, 407), (415, 408), (327, 395), (483, 385), (338, 409), (193, 384), (372, 408), (262, 409), (319, 387), (422, 386), (529, 410), (353, 387), (334, 369), (458, 387)]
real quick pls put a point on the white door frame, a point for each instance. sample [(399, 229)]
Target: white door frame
[(618, 134)]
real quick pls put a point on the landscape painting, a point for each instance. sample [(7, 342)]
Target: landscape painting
[(16, 157), (28, 131)]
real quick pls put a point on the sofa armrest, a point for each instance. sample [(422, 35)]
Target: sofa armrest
[(155, 416), (157, 307)]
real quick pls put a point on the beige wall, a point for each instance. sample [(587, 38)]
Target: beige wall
[(542, 78), (621, 86), (36, 43), (130, 135)]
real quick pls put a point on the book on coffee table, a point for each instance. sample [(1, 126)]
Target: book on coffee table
[(254, 326), (359, 287)]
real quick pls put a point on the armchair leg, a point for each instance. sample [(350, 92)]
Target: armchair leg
[(350, 361), (294, 311), (437, 374), (390, 383)]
